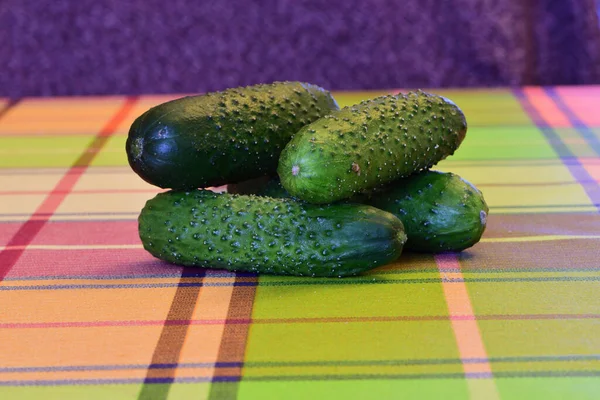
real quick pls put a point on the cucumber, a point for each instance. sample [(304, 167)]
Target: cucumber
[(370, 144), (223, 137), (263, 186), (251, 186), (271, 236), (272, 187), (440, 211)]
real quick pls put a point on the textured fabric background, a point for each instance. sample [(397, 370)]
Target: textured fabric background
[(62, 47)]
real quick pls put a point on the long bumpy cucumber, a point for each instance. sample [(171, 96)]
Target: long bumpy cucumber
[(440, 211), (222, 137), (370, 144), (271, 236)]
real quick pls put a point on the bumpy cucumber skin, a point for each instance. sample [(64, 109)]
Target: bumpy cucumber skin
[(269, 236), (222, 137), (370, 144), (440, 211), (272, 187)]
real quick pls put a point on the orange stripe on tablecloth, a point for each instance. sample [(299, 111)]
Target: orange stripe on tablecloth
[(93, 306), (108, 345), (165, 373), (547, 109), (32, 227), (466, 331)]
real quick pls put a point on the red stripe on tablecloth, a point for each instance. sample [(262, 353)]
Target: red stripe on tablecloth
[(29, 230)]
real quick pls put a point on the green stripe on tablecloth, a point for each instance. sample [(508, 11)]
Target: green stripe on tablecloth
[(491, 143), (548, 388), (506, 338), (446, 389), (317, 341), (347, 300), (113, 153), (41, 151), (489, 107), (572, 388)]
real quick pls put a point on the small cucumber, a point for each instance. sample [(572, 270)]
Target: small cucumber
[(440, 211), (370, 144), (272, 236), (222, 137)]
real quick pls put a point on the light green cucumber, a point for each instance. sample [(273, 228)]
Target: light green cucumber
[(370, 144)]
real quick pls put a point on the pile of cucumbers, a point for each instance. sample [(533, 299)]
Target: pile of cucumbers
[(312, 190)]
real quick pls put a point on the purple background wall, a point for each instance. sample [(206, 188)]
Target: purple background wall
[(61, 47)]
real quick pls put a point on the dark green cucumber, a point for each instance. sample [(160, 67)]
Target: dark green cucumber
[(264, 186), (440, 211), (271, 236), (251, 186), (370, 144), (222, 137)]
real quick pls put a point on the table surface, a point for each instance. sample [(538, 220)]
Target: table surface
[(85, 312)]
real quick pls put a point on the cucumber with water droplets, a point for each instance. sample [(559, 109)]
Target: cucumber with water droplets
[(370, 144), (271, 236), (222, 137)]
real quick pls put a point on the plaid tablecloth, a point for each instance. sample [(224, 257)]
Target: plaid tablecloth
[(86, 313)]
